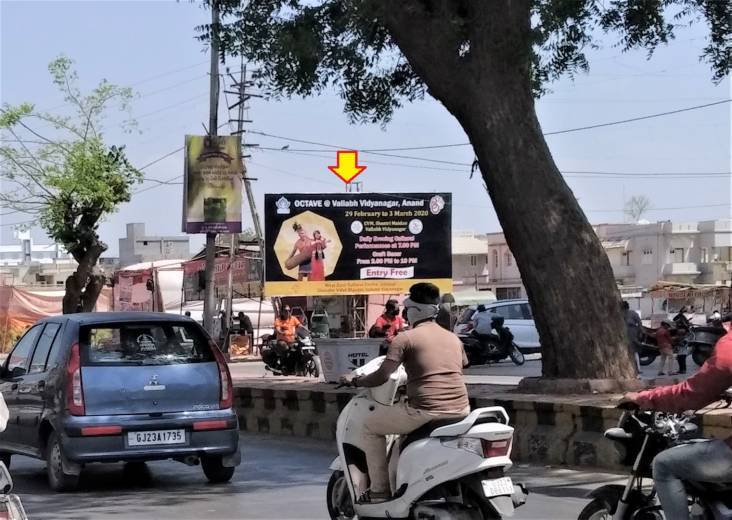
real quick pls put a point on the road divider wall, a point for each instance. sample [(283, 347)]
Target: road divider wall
[(552, 431)]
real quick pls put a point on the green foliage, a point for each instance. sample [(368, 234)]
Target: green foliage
[(306, 46), (69, 179)]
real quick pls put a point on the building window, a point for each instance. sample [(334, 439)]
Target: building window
[(627, 258), (704, 255), (647, 258), (473, 260), (508, 293), (507, 258), (144, 242), (495, 259)]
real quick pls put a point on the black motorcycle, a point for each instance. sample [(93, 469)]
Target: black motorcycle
[(696, 340), (642, 436), (299, 358), (482, 349)]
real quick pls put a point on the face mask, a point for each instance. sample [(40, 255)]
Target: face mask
[(417, 312)]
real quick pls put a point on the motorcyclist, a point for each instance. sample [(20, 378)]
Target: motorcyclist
[(433, 360), (709, 461), (285, 329)]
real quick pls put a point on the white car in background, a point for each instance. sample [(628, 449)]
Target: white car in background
[(517, 317)]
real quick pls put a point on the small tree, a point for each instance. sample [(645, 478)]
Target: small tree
[(68, 178), (485, 61), (637, 206)]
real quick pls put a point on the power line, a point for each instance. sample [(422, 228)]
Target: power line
[(377, 151), (580, 174)]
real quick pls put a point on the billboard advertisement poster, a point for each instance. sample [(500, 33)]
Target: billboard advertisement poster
[(212, 184), (356, 243)]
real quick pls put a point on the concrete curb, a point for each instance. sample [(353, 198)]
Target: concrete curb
[(550, 430)]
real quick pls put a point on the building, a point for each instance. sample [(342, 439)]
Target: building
[(137, 247), (469, 261), (640, 255), (26, 263)]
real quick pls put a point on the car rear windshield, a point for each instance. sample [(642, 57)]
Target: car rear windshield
[(144, 344)]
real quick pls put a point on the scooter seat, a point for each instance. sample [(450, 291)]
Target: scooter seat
[(426, 430)]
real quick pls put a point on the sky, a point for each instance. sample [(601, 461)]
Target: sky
[(151, 46)]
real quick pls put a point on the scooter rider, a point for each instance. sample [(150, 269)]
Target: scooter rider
[(433, 360), (709, 461)]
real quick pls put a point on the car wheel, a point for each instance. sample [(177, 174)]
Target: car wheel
[(5, 458), (215, 471), (57, 479)]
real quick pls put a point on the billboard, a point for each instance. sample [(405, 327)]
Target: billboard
[(212, 184), (356, 243), (245, 278)]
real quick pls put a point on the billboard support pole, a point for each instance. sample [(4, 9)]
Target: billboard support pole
[(209, 303)]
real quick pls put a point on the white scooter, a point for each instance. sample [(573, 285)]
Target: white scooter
[(448, 471)]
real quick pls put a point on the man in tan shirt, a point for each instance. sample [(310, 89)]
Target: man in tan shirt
[(433, 359)]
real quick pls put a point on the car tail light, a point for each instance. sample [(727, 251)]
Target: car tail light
[(226, 399), (74, 388), (496, 448), (199, 426), (90, 431)]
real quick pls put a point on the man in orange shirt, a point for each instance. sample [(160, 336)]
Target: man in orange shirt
[(286, 326)]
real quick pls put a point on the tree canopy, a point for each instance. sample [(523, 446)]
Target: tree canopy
[(59, 169), (304, 47)]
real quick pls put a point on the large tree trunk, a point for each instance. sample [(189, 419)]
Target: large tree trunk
[(566, 272), (84, 286)]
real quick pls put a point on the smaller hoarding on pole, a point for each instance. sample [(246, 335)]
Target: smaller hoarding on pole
[(212, 184)]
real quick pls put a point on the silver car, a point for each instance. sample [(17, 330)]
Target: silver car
[(518, 317), (111, 387)]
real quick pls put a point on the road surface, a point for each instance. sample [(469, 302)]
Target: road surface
[(281, 478)]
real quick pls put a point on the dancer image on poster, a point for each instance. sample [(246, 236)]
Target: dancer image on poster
[(301, 255), (317, 272)]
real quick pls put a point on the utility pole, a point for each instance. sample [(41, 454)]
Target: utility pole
[(243, 96), (209, 301)]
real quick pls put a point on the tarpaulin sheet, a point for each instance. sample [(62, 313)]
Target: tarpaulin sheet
[(20, 308)]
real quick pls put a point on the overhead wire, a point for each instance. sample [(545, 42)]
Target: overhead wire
[(377, 151)]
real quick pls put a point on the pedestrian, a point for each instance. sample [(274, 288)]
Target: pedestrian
[(224, 332), (665, 346), (187, 314), (633, 329), (245, 328), (683, 326)]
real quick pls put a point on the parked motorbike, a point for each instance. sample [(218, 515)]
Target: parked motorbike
[(299, 359), (643, 435), (702, 340), (443, 470), (482, 349)]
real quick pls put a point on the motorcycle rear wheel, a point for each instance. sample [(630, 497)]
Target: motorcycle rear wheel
[(647, 360), (516, 355), (699, 357)]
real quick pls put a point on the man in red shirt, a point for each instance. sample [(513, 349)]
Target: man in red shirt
[(665, 346), (709, 461), (389, 324)]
